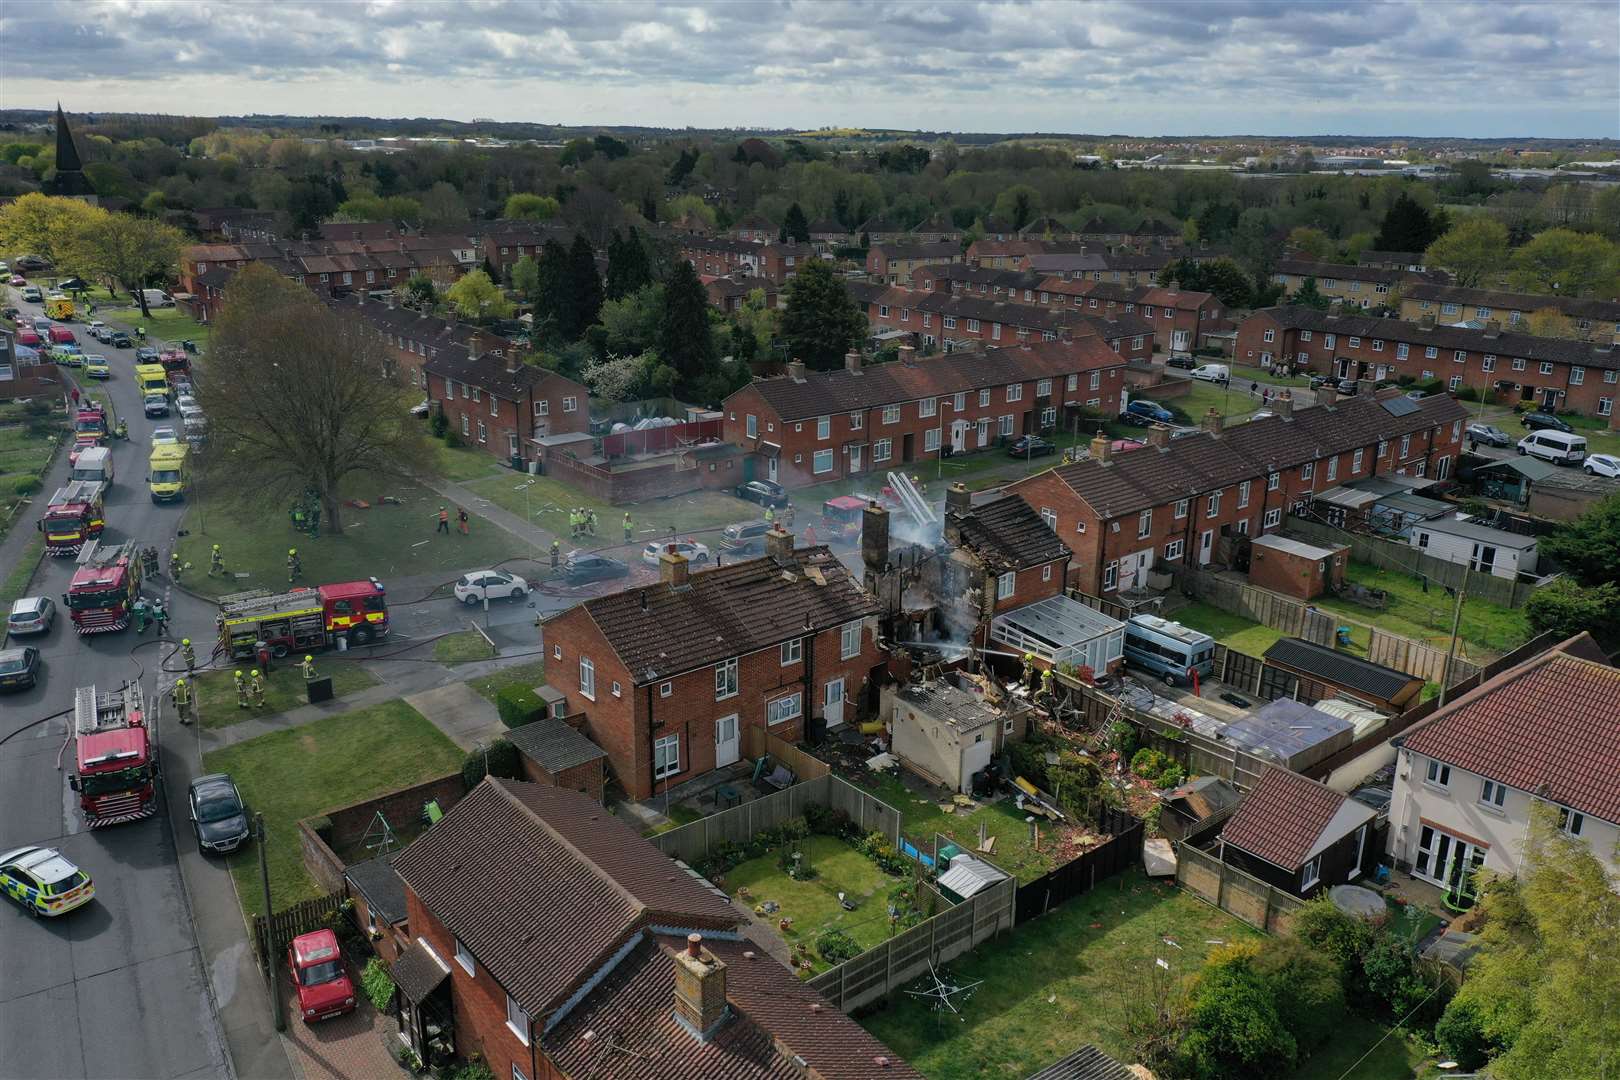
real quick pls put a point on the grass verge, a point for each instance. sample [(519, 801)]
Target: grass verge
[(531, 674), (18, 578), (545, 502), (462, 464), (283, 690), (1342, 1058), (462, 647), (296, 773)]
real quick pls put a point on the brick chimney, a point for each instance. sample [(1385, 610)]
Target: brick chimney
[(1493, 328), (700, 989), (795, 370), (673, 568), (1327, 394), (908, 354), (1283, 405), (875, 537), (779, 544), (1211, 421), (958, 500), (852, 360), (1160, 437), (512, 363), (1102, 447)]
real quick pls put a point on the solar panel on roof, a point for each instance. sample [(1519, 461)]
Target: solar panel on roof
[(1399, 406)]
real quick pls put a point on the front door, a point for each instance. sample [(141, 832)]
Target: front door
[(726, 741), (1344, 367), (958, 436), (1181, 340), (854, 459), (907, 446), (770, 469), (1549, 399), (1206, 547), (984, 434), (833, 704)]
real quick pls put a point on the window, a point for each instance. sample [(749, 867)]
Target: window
[(1378, 345), (823, 461), (1355, 461), (882, 449), (927, 406), (1311, 873), (1110, 576), (1438, 775), (483, 435), (1273, 480), (542, 408), (1136, 342), (1015, 392), (1328, 340), (1049, 516), (587, 677), (984, 398), (466, 425), (665, 689), (1546, 367), (570, 404), (465, 959), (891, 414), (1304, 335), (1173, 550), (849, 640), (666, 756), (1307, 470), (1044, 388), (1273, 518), (792, 651), (973, 326), (931, 439), (1570, 822), (1073, 382), (1430, 352), (556, 652), (1488, 364), (1454, 383), (784, 708), (1005, 425), (959, 402), (1332, 469), (1605, 406), (725, 679), (1492, 795), (1046, 572), (883, 311), (1459, 356), (950, 322), (1518, 363), (1608, 376), (1577, 375), (517, 1020), (1005, 584), (823, 427), (1269, 335), (1243, 494), (1096, 380), (1449, 309), (1406, 444), (1214, 507)]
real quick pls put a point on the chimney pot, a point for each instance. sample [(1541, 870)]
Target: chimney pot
[(694, 945), (1283, 405), (1327, 394), (779, 543), (908, 354), (700, 989), (795, 370), (673, 569), (1159, 437), (958, 499), (1212, 421)]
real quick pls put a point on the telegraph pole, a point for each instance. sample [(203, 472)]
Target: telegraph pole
[(270, 960)]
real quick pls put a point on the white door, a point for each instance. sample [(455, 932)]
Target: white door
[(1133, 568), (1206, 547), (770, 470), (958, 436), (1180, 340), (854, 459), (833, 705), (725, 741), (984, 433)]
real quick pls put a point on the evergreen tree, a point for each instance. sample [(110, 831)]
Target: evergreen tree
[(795, 226), (584, 287), (684, 339), (1409, 226), (649, 208), (551, 292), (628, 266), (842, 211), (1310, 296), (822, 321)]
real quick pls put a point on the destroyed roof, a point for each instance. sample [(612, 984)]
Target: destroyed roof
[(658, 631), (962, 709), (1009, 533)]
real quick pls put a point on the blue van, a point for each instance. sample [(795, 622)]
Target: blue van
[(1168, 649)]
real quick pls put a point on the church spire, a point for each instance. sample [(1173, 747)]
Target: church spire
[(69, 179)]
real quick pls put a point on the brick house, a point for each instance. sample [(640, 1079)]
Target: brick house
[(1592, 320), (583, 951), (335, 267), (1119, 267), (414, 336), (1554, 374), (1173, 501), (954, 321), (936, 230), (727, 294), (667, 675), (894, 263), (1362, 286), (809, 427), (969, 280), (1299, 835), (754, 229), (500, 404), (725, 257), (504, 243)]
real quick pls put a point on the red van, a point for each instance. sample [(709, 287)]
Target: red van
[(61, 335), (323, 984)]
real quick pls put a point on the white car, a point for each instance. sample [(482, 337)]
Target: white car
[(1602, 465), (473, 586), (694, 551), (161, 435)]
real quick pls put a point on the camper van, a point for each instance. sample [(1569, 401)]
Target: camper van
[(1168, 649), (93, 463)]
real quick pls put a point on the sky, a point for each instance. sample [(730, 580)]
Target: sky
[(1134, 67)]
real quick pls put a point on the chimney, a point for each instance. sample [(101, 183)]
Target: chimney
[(1102, 447), (1327, 394), (852, 360), (700, 989), (473, 348), (673, 569), (1211, 421), (1493, 328), (958, 500), (795, 370), (779, 544), (1159, 437), (1426, 322), (511, 361), (1283, 405), (908, 354), (1175, 286), (875, 537)]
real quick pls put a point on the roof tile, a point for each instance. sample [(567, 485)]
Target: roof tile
[(1281, 820)]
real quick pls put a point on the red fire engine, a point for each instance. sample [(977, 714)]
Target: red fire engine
[(89, 428), (105, 587), (302, 619), (115, 754), (73, 517)]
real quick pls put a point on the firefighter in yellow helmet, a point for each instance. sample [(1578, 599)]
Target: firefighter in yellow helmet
[(308, 667), (1029, 670), (216, 562), (256, 687), (241, 691), (182, 700), (295, 568)]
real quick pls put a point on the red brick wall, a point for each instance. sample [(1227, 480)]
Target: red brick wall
[(349, 823), (1044, 491), (591, 777), (1035, 583)]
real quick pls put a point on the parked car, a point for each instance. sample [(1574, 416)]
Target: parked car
[(1602, 465), (764, 492), (156, 405), (1143, 411), (121, 340), (31, 615), (1540, 421), (1349, 387), (1378, 798), (744, 538), (1030, 446), (318, 974), (1319, 381), (696, 552), (1558, 447), (218, 815), (1417, 395), (42, 326), (473, 586), (1184, 362), (19, 668), (30, 293), (42, 881), (421, 408), (96, 367), (1489, 434), (1215, 373), (164, 435), (146, 355), (94, 328), (583, 566)]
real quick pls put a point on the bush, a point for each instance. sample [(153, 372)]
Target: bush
[(1342, 937), (27, 485), (1148, 762), (1028, 759), (1461, 1035), (453, 441), (835, 947), (518, 705), (378, 984), (1236, 1029), (439, 424), (1171, 776), (1307, 988), (1391, 982), (500, 759)]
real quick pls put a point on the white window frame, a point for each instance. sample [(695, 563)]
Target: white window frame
[(669, 748), (1437, 775), (1173, 550), (928, 406), (822, 461), (931, 440), (1311, 872), (751, 425), (787, 707), (1181, 508), (1049, 516), (849, 640), (1492, 795), (587, 677), (1110, 576), (1144, 524), (792, 651), (517, 1021), (1243, 494), (1006, 584), (1273, 518), (665, 689), (1213, 508), (891, 414), (882, 450), (1015, 391), (823, 427), (1273, 481), (1355, 460), (1570, 822), (725, 679), (465, 958)]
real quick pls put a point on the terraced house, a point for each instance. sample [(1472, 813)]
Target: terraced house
[(808, 427), (1590, 320), (500, 404), (954, 321), (893, 263), (1363, 286), (1554, 374), (1176, 500)]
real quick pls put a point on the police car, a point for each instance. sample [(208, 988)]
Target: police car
[(43, 882)]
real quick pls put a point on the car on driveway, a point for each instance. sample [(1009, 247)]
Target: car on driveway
[(1489, 434), (31, 615), (583, 566), (1602, 465), (19, 668), (1540, 421), (96, 367), (320, 977), (473, 586), (1030, 446), (1142, 411), (764, 492), (696, 552), (218, 815), (44, 882)]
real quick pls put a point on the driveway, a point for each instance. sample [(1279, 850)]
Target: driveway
[(352, 1047)]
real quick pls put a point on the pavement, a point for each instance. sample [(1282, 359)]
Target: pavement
[(458, 711), (349, 1047)]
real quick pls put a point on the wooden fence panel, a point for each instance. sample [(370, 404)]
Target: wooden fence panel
[(1391, 555), (758, 743), (692, 843), (272, 934), (1248, 898), (1082, 873)]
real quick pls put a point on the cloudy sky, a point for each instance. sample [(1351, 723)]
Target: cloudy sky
[(1145, 67)]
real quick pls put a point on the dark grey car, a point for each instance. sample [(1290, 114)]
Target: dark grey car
[(218, 815)]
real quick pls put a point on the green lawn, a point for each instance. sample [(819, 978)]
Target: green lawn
[(531, 674), (299, 772), (678, 814), (546, 502), (1427, 616), (283, 690), (1393, 1058), (1231, 403), (18, 577), (1057, 981), (1233, 631), (813, 905), (165, 324), (462, 464), (383, 541), (1242, 373), (462, 647)]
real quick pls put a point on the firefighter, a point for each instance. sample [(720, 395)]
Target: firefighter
[(256, 688), (241, 691), (160, 617), (174, 565), (182, 700), (261, 652), (461, 520), (573, 524), (123, 428), (140, 613), (1029, 670), (556, 553), (216, 562), (627, 526), (590, 522), (308, 667), (790, 514), (770, 515), (1046, 682), (295, 567), (190, 656), (444, 521)]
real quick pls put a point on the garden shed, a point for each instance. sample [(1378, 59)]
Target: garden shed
[(947, 729), (967, 877), (1290, 733)]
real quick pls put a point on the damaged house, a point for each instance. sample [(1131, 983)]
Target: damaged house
[(947, 729)]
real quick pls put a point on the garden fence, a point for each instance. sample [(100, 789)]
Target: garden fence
[(1262, 906), (1081, 874), (758, 743), (273, 933), (692, 843), (1390, 555)]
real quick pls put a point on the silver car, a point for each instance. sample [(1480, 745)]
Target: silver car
[(31, 615)]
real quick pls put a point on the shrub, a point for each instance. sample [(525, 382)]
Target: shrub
[(829, 821), (378, 984), (835, 946), (1307, 988), (1461, 1035), (1149, 763), (1172, 775), (500, 758), (27, 485), (1236, 1030), (439, 424), (1391, 982), (453, 441), (1122, 739), (518, 705), (1074, 781), (1028, 759), (1342, 937)]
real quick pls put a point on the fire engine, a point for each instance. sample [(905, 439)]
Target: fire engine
[(115, 754), (89, 428), (73, 517), (105, 587), (302, 619)]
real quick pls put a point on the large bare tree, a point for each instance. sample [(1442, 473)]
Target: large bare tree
[(300, 399)]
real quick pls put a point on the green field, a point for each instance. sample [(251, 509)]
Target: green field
[(1426, 616), (299, 772), (18, 577), (1232, 403), (1233, 631), (462, 464), (545, 502), (283, 690), (1358, 1039)]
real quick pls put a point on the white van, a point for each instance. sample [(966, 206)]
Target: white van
[(1558, 447), (158, 298), (1215, 373), (94, 463)]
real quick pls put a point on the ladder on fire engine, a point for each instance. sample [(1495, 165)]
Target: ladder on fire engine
[(97, 555), (260, 601), (911, 499), (94, 711), (77, 491)]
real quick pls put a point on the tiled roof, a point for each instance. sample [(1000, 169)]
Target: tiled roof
[(1550, 726), (553, 745), (945, 249), (1008, 532), (541, 883), (730, 286), (1342, 669), (1607, 310), (418, 972), (1284, 816), (1530, 346), (967, 272), (964, 305), (742, 607), (1086, 1063), (941, 375), (380, 885), (625, 1028), (1346, 271)]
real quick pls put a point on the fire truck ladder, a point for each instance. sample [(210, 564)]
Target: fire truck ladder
[(261, 602), (98, 555), (94, 711), (911, 499)]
